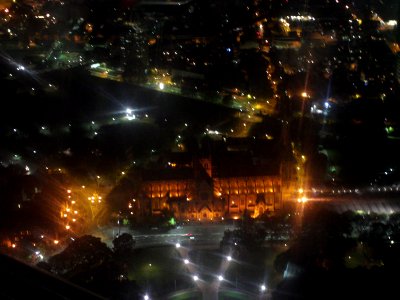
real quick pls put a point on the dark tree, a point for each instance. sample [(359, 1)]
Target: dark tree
[(124, 245), (322, 242), (82, 259), (248, 237)]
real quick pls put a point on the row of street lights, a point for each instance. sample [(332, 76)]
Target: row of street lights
[(196, 278), (220, 277)]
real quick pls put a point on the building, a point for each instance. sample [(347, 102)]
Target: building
[(185, 190), (251, 189), (214, 187)]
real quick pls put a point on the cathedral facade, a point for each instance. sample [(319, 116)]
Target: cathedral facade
[(207, 191)]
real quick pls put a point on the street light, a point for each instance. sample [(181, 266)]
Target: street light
[(220, 278), (186, 261), (263, 288), (177, 245), (302, 200), (229, 258), (146, 297), (195, 277), (305, 95)]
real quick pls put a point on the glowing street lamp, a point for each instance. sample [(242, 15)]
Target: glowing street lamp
[(229, 258), (177, 245), (220, 278), (302, 199), (263, 288), (195, 277), (186, 261)]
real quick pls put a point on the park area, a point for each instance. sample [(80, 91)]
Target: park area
[(163, 271)]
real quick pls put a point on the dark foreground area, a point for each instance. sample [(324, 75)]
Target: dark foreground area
[(20, 281)]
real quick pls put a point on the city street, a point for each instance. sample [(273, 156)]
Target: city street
[(198, 235)]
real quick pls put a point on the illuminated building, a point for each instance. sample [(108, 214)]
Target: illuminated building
[(212, 189)]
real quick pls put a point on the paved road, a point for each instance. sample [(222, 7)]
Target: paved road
[(199, 235)]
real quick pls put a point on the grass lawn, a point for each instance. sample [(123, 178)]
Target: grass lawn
[(254, 269), (159, 270)]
